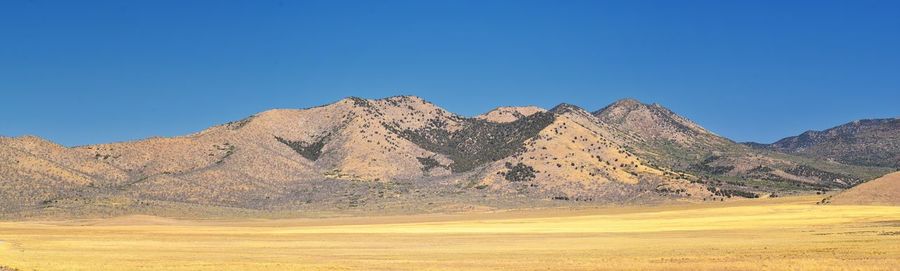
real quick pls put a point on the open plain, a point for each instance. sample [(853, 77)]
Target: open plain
[(761, 234)]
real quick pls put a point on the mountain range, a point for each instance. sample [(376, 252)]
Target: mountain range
[(873, 142), (405, 154)]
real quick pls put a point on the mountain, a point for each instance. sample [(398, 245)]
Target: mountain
[(658, 124), (672, 141), (509, 113), (881, 191), (562, 153), (405, 154), (661, 134), (265, 155), (869, 142), (36, 171)]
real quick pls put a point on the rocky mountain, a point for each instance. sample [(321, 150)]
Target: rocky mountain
[(869, 142), (404, 153)]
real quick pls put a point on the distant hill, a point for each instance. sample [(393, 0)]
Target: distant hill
[(669, 140), (408, 155), (869, 142), (881, 191)]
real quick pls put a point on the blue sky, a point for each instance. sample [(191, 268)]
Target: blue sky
[(81, 72)]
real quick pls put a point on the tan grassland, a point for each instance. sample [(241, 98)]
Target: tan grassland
[(762, 234)]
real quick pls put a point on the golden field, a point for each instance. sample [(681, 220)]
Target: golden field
[(768, 234)]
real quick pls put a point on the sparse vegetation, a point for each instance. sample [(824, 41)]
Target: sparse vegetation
[(519, 172), (869, 142), (429, 163), (234, 125), (706, 166), (478, 142), (825, 176), (229, 150), (732, 193), (310, 151)]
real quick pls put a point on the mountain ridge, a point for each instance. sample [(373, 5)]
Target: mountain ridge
[(866, 142), (357, 154)]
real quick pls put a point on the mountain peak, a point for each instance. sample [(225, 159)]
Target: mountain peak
[(357, 101), (653, 122), (27, 139), (405, 100), (399, 100), (627, 102), (567, 108), (506, 114)]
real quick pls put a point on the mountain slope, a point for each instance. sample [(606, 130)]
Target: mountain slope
[(573, 157), (656, 123), (881, 191), (264, 155), (404, 153), (870, 142), (672, 141), (36, 171)]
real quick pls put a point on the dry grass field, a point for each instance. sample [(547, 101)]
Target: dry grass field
[(765, 234)]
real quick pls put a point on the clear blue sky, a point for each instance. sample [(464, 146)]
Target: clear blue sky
[(80, 72)]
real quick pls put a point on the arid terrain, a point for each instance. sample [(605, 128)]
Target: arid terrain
[(401, 184), (792, 233), (449, 135), (405, 155)]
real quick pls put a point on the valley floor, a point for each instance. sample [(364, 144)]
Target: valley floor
[(767, 234)]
